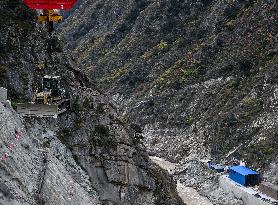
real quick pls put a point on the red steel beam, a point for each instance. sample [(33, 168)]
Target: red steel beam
[(50, 4)]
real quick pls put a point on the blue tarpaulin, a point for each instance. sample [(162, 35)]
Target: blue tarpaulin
[(243, 170)]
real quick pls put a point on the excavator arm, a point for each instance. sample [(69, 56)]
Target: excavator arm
[(49, 16)]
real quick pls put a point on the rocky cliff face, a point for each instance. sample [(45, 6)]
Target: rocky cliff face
[(112, 154), (200, 77), (36, 168), (88, 155)]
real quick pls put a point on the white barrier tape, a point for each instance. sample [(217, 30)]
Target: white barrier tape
[(11, 146), (5, 156), (71, 192)]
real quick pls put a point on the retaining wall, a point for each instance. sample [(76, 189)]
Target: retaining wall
[(244, 193)]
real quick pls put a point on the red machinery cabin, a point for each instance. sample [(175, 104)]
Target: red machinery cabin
[(50, 4)]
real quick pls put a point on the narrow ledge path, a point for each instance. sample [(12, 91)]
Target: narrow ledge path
[(189, 195)]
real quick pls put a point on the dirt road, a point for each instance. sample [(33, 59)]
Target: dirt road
[(189, 195)]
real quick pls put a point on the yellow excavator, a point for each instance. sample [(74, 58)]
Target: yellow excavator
[(50, 16), (49, 100)]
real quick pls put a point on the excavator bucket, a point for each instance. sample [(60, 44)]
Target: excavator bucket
[(39, 110)]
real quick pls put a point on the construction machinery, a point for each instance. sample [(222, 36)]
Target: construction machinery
[(49, 99), (50, 10)]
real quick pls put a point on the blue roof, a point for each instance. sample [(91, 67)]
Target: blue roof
[(243, 170)]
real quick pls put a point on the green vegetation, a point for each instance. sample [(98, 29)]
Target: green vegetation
[(261, 152), (230, 25), (14, 102), (251, 108), (85, 50), (162, 45), (164, 77), (179, 42), (75, 105), (248, 101), (79, 122), (147, 55), (178, 72), (165, 188), (41, 66), (23, 25), (116, 74), (189, 121), (100, 110), (270, 61), (86, 103), (46, 144), (231, 120), (101, 137), (102, 130)]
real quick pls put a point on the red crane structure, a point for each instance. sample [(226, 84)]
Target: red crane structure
[(49, 14)]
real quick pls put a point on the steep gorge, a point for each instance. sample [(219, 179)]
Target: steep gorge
[(88, 155), (179, 79), (199, 78)]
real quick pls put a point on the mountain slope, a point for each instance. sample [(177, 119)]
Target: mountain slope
[(200, 76)]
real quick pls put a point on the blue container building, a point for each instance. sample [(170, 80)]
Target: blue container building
[(217, 167), (244, 176)]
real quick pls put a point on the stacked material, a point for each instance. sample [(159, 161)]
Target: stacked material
[(269, 189)]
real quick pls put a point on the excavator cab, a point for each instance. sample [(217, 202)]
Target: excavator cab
[(50, 90), (53, 85)]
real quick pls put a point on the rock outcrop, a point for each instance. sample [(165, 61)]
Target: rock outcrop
[(112, 153)]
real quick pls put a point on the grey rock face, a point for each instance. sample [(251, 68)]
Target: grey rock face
[(106, 148), (34, 172), (271, 175)]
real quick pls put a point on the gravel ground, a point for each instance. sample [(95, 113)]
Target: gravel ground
[(191, 196), (195, 174)]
